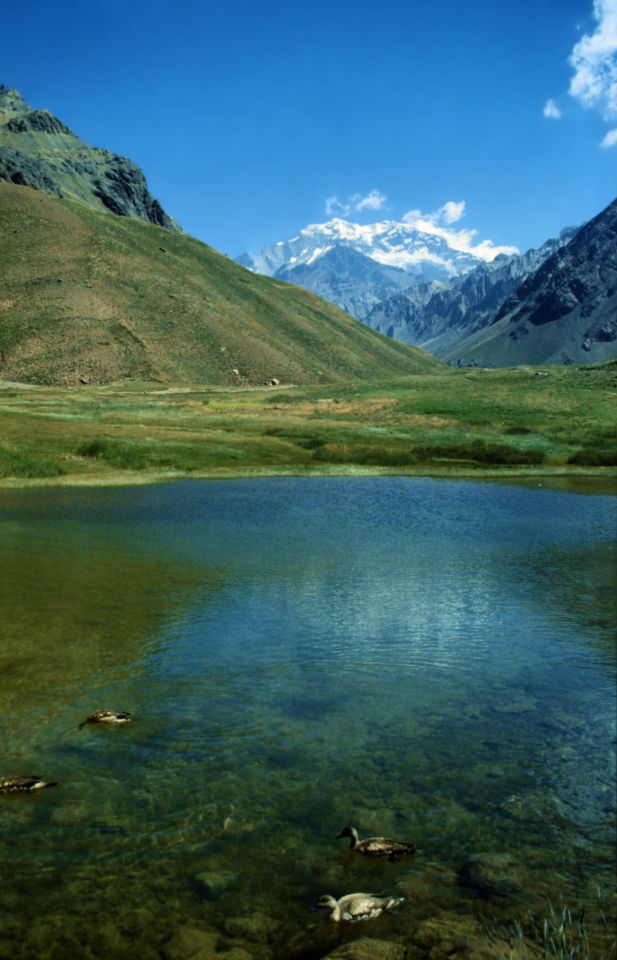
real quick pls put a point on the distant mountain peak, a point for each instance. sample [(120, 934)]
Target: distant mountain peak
[(393, 243), (395, 254)]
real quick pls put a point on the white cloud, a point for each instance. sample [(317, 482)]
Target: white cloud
[(374, 200), (449, 213), (551, 110), (610, 140), (594, 59), (334, 205), (438, 222), (452, 211)]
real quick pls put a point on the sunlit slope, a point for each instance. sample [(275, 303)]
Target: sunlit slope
[(86, 297)]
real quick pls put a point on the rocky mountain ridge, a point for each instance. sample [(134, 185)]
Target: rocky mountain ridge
[(40, 151), (563, 312), (439, 316)]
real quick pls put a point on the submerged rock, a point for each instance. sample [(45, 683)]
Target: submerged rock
[(367, 949), (258, 928), (189, 943), (493, 874), (212, 883)]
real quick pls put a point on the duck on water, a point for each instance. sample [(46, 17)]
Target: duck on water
[(357, 906), (24, 784), (377, 846), (107, 716)]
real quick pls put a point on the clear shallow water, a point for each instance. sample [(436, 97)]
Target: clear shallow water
[(426, 659)]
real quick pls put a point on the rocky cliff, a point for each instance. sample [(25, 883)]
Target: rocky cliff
[(38, 150)]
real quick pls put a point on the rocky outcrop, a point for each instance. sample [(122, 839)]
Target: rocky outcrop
[(40, 120), (38, 150)]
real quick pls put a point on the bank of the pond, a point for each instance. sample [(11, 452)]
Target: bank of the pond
[(604, 478), (472, 424)]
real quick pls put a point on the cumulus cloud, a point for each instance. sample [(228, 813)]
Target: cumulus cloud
[(594, 59), (374, 200), (551, 110), (610, 140), (438, 224)]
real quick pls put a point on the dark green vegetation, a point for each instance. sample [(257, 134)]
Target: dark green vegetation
[(91, 298), (497, 422)]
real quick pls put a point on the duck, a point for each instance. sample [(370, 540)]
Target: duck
[(377, 846), (24, 784), (357, 906), (107, 716)]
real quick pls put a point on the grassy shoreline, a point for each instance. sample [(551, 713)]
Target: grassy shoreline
[(523, 424), (606, 477)]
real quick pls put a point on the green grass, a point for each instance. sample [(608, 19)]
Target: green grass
[(563, 934), (453, 422), (21, 462)]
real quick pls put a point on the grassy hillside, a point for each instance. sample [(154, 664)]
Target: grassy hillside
[(86, 297), (453, 422)]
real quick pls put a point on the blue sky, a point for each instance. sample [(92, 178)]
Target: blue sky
[(248, 119)]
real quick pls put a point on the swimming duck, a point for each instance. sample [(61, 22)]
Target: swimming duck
[(357, 906), (107, 716), (23, 784), (377, 846)]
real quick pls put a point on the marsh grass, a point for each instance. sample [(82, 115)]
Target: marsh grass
[(479, 422), (561, 934)]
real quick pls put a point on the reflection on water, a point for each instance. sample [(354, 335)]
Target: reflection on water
[(423, 659)]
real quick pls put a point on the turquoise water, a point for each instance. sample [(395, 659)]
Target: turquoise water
[(430, 660)]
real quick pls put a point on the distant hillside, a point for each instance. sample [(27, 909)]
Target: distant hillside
[(563, 312), (38, 150), (89, 297), (440, 316)]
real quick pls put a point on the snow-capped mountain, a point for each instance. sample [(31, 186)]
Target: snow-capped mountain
[(406, 254), (389, 242)]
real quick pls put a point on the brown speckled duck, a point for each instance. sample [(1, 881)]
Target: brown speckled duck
[(24, 784), (357, 906), (377, 846), (107, 716)]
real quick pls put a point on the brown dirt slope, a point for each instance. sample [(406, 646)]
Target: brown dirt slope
[(88, 297)]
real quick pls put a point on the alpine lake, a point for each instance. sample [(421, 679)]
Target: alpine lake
[(429, 660)]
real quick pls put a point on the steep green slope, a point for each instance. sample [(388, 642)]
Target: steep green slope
[(87, 297)]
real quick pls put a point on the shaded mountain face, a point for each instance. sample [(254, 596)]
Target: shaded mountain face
[(563, 312), (389, 256), (439, 316), (90, 298), (348, 278), (38, 150)]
